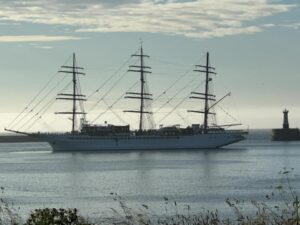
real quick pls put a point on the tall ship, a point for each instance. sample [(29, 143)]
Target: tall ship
[(93, 137)]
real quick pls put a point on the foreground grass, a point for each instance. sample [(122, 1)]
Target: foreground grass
[(286, 212)]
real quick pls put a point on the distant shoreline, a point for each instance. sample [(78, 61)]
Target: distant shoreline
[(17, 139)]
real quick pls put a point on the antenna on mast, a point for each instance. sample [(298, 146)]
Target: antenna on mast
[(141, 42), (75, 96)]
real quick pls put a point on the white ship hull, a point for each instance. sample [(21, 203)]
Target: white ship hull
[(67, 142)]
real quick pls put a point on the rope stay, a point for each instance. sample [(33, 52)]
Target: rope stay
[(38, 116), (107, 92), (115, 102), (176, 106), (40, 113), (148, 118), (228, 114), (172, 110), (188, 70), (173, 84), (165, 61), (109, 78), (109, 107), (176, 94), (185, 120), (81, 105), (14, 122), (37, 104), (33, 99)]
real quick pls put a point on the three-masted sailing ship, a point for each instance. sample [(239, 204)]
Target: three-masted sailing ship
[(91, 137)]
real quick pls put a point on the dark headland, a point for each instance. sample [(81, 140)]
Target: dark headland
[(17, 139)]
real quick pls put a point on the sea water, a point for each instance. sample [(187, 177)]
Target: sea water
[(35, 177)]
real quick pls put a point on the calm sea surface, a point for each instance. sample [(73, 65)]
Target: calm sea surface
[(34, 177)]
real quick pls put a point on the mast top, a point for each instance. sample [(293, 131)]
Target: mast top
[(141, 42), (76, 95)]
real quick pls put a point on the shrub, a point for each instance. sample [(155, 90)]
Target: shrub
[(55, 217)]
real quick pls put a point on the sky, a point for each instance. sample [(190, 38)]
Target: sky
[(254, 45)]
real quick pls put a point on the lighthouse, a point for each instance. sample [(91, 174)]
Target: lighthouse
[(285, 119)]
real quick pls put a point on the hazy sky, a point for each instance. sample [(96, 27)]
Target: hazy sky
[(254, 45)]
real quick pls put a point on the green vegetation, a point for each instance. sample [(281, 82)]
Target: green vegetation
[(55, 217), (286, 212)]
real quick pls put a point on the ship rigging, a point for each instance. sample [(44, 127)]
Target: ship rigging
[(89, 136)]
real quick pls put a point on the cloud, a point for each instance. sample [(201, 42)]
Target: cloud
[(294, 26), (269, 25), (36, 38), (40, 45), (45, 47), (190, 18)]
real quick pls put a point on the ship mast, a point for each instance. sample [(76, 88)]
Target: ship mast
[(75, 96), (142, 95), (207, 79), (207, 69)]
